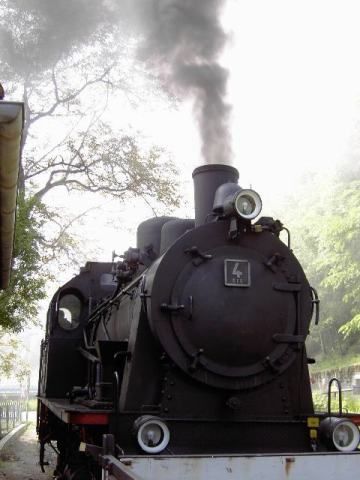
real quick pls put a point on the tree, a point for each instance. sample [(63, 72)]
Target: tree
[(11, 362), (325, 228), (66, 72), (18, 303), (340, 261)]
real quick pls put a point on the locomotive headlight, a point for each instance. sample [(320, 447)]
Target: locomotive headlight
[(247, 204), (152, 434), (340, 434)]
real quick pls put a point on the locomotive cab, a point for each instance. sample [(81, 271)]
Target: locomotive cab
[(62, 365)]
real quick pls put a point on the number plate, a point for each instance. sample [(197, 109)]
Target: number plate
[(237, 273)]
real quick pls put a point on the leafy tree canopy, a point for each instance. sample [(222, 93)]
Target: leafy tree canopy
[(325, 226), (11, 361), (18, 303)]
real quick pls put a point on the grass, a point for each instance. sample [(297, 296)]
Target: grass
[(32, 404), (335, 362), (350, 403)]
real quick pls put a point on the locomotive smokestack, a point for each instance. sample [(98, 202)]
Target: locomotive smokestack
[(207, 179)]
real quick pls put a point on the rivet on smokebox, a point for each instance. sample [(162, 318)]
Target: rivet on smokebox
[(234, 403)]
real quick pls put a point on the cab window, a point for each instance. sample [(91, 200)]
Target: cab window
[(69, 311)]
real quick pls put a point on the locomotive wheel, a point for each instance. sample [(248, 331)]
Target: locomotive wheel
[(80, 473)]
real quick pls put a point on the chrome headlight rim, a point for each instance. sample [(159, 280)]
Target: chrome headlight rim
[(329, 429), (144, 422), (253, 198), (356, 436)]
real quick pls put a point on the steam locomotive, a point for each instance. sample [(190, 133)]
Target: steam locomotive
[(188, 355)]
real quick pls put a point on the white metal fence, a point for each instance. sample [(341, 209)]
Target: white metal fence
[(11, 413)]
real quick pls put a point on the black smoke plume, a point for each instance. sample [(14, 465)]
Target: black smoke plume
[(182, 41)]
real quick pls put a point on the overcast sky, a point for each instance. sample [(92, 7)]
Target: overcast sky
[(295, 84)]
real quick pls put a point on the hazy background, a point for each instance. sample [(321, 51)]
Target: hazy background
[(291, 111)]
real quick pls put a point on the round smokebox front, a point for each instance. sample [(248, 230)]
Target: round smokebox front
[(217, 309)]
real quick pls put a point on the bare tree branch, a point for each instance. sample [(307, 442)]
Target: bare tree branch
[(69, 98)]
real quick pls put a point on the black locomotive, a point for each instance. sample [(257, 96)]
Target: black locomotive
[(194, 343)]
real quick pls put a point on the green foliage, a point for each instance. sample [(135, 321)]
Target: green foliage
[(352, 327), (350, 403), (18, 304), (320, 402), (325, 227), (339, 262), (32, 404), (11, 362)]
